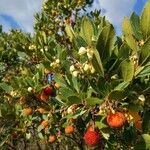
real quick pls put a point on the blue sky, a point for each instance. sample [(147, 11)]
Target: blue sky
[(20, 13)]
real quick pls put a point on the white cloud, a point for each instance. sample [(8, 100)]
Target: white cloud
[(115, 10), (22, 11)]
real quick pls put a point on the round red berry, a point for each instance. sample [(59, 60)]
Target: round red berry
[(92, 138), (48, 90)]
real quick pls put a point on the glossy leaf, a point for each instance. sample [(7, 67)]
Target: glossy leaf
[(145, 53), (145, 21), (73, 100), (87, 29), (135, 23), (6, 87), (122, 86), (127, 70), (80, 42), (128, 33), (93, 101), (116, 95), (97, 63), (70, 32), (144, 144), (124, 51), (146, 122), (105, 43)]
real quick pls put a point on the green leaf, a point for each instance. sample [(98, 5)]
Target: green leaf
[(76, 84), (106, 135), (44, 37), (128, 34), (100, 123), (97, 63), (116, 95), (73, 100), (124, 51), (87, 29), (28, 135), (79, 112), (6, 87), (105, 43), (80, 42), (132, 43), (92, 101), (69, 32), (22, 54), (127, 70), (59, 78), (103, 86), (40, 135), (144, 144), (66, 92), (146, 138), (146, 122), (135, 23), (138, 71), (145, 53), (126, 27), (143, 71), (40, 128), (122, 86), (145, 21), (2, 66), (4, 140)]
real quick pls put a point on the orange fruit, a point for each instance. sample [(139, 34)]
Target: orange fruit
[(90, 128), (52, 138), (57, 86), (138, 125), (69, 129), (43, 97), (41, 110), (27, 111), (44, 123), (116, 120)]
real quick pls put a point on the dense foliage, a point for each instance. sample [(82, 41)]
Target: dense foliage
[(74, 84)]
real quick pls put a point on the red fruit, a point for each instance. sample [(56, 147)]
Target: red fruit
[(48, 90), (116, 120), (92, 138)]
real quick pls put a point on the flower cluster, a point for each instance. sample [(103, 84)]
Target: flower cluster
[(87, 66), (89, 51), (55, 63)]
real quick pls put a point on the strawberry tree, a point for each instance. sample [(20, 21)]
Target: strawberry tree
[(74, 84)]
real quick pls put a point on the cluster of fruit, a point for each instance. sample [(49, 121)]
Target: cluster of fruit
[(92, 135)]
